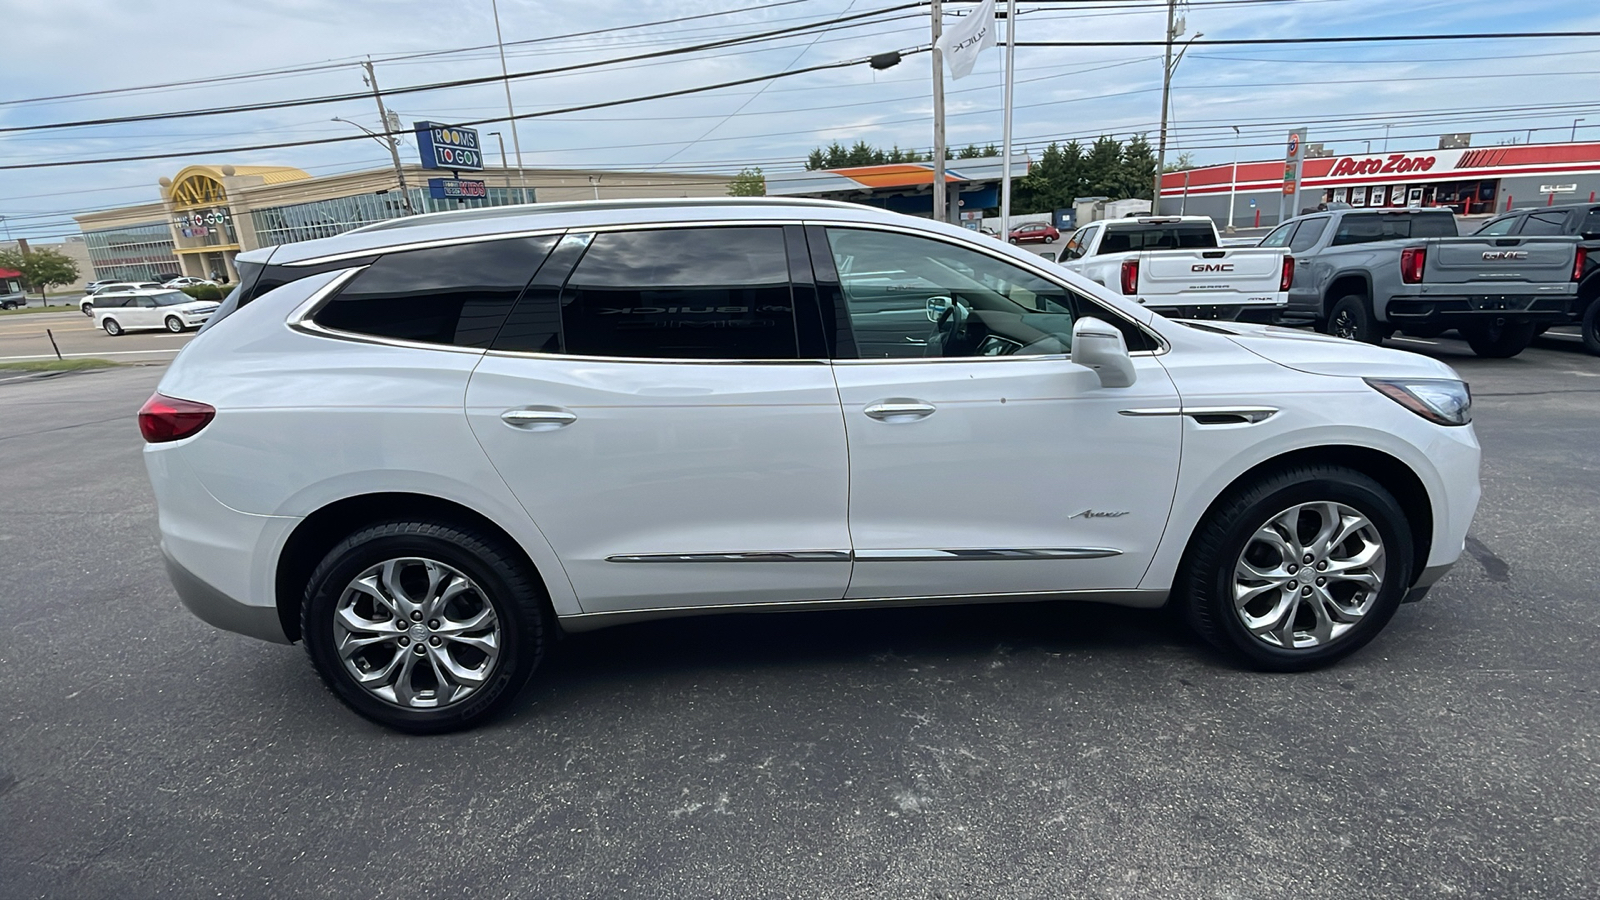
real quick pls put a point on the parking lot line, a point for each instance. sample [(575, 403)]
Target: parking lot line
[(1414, 340), (85, 355)]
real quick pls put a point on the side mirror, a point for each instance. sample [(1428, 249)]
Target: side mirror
[(1099, 345)]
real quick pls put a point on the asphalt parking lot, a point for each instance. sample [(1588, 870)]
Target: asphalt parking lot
[(1042, 750)]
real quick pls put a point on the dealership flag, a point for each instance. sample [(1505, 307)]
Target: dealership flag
[(966, 40)]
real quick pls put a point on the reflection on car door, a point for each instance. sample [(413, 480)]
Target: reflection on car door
[(990, 463), (653, 415)]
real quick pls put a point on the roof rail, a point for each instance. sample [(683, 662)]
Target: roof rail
[(534, 209)]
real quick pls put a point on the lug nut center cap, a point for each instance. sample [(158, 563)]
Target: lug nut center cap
[(418, 632)]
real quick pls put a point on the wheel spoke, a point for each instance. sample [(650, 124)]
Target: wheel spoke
[(1322, 628), (404, 693), (456, 672), (379, 678), (483, 618), (452, 587), (1281, 629), (488, 643), (369, 586), (1243, 596), (1287, 547)]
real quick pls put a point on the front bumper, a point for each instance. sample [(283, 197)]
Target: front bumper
[(1425, 582)]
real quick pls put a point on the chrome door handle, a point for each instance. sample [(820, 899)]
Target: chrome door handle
[(538, 418), (899, 410)]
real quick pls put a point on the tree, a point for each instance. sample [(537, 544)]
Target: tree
[(1052, 182), (861, 153), (42, 268), (1138, 167), (1185, 160), (748, 183), (971, 151)]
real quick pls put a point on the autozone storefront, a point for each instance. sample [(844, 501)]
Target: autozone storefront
[(1470, 181)]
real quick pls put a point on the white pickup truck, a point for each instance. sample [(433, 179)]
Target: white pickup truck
[(1177, 266)]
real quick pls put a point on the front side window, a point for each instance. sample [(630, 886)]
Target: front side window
[(1499, 226), (457, 295), (913, 297), (1307, 235), (1279, 237), (681, 293)]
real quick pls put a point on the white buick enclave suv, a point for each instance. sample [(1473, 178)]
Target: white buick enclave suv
[(422, 446)]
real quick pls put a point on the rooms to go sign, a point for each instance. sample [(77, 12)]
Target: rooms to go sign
[(448, 147)]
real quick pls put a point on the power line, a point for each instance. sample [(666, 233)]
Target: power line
[(461, 82), (1346, 39)]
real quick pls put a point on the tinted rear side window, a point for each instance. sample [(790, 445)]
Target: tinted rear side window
[(1150, 237), (1590, 228), (683, 293), (1307, 235), (1540, 223), (457, 295)]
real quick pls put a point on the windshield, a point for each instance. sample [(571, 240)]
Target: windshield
[(172, 298)]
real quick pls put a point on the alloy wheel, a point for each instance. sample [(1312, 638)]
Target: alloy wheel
[(417, 633), (1308, 575), (1343, 326)]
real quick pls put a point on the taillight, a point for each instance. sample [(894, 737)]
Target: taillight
[(1411, 260), (1130, 276), (1577, 263), (1288, 274), (163, 418)]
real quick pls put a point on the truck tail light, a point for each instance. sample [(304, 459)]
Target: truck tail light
[(1288, 274), (164, 418), (1411, 260), (1578, 263), (1130, 276)]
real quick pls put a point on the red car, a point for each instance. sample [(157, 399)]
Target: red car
[(1034, 231)]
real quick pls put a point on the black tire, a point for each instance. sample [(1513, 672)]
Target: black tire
[(1013, 240), (1351, 318), (1207, 575), (1499, 341), (1591, 327), (111, 327), (504, 582), (174, 324), (88, 309), (1049, 240)]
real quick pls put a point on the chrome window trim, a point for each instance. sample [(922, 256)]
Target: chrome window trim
[(1037, 269), (1143, 599), (300, 320), (653, 360)]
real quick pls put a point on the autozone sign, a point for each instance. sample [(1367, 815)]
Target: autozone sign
[(1391, 164)]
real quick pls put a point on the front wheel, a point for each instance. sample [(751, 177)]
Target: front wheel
[(1499, 341), (174, 324), (1352, 320), (111, 327), (1591, 327), (424, 627), (1300, 569)]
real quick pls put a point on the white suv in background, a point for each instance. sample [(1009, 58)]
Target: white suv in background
[(145, 309), (421, 446)]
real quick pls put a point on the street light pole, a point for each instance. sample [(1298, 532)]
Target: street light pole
[(940, 213), (1233, 185), (505, 171), (1575, 129), (394, 146), (1005, 141), (505, 79)]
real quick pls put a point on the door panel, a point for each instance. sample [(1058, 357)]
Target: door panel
[(662, 461), (1015, 456)]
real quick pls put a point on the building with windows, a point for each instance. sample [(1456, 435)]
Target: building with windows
[(1471, 181), (208, 215)]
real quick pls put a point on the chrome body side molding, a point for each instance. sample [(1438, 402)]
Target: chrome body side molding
[(592, 621), (992, 553), (762, 556), (1209, 415)]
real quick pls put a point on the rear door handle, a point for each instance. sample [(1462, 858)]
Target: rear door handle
[(538, 418), (899, 410)]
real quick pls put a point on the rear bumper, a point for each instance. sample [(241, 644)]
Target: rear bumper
[(214, 607), (1490, 308)]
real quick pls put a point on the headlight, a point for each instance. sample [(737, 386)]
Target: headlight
[(1443, 401)]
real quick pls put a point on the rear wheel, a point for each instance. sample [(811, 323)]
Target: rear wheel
[(1352, 320), (174, 324), (1300, 569), (1049, 240), (1591, 327), (111, 327), (88, 309), (424, 627), (1499, 341)]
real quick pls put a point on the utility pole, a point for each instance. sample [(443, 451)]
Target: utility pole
[(1005, 140), (503, 169), (1233, 180), (389, 138), (505, 79), (1166, 91), (940, 211)]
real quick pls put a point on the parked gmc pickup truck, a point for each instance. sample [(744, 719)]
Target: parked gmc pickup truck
[(1364, 274), (1581, 220), (1176, 266)]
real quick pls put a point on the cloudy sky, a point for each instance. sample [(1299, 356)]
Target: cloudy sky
[(1346, 94)]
